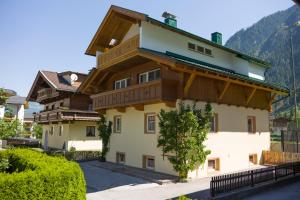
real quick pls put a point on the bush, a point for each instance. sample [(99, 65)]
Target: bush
[(33, 175)]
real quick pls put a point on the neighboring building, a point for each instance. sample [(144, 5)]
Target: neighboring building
[(67, 119), (15, 107), (144, 65), (7, 93)]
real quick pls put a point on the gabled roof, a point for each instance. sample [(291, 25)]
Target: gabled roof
[(16, 100), (55, 81), (118, 20)]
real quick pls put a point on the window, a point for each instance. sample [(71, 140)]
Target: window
[(60, 130), (251, 124), (120, 157), (150, 123), (117, 124), (191, 46), (149, 162), (214, 123), (61, 104), (149, 76), (46, 107), (200, 49), (90, 131), (53, 106), (253, 159), (121, 83), (213, 164), (208, 52)]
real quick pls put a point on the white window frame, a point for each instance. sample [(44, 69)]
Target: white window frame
[(147, 122), (147, 75), (120, 81)]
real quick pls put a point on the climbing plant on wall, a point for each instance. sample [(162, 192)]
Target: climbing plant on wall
[(182, 135), (105, 130)]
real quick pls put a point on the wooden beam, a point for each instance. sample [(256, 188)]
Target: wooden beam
[(250, 96), (121, 109), (271, 101), (224, 78), (171, 104), (224, 90), (139, 107), (189, 84)]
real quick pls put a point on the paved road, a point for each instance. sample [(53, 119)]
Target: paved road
[(281, 192), (105, 184)]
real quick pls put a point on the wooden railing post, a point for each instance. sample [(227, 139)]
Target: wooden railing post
[(252, 181), (212, 188)]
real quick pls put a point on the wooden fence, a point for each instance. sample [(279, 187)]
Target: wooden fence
[(230, 182), (275, 158)]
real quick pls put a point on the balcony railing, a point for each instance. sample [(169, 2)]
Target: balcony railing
[(119, 50), (65, 115), (144, 93), (46, 93)]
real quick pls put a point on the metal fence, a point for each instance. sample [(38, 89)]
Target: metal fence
[(235, 181)]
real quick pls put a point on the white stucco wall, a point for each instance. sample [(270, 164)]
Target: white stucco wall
[(74, 132), (160, 39), (232, 144)]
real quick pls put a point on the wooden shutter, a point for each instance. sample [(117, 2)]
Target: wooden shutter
[(144, 161), (217, 164), (217, 122)]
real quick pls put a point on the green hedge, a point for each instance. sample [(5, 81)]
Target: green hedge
[(34, 175)]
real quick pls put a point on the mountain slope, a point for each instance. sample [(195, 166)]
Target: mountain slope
[(270, 41)]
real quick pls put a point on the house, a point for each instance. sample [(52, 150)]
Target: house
[(67, 118), (6, 93), (15, 107), (144, 65)]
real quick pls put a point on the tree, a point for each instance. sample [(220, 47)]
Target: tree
[(9, 128), (105, 130), (3, 96), (38, 131), (182, 135)]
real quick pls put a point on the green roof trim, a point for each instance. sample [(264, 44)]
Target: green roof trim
[(238, 54), (215, 68)]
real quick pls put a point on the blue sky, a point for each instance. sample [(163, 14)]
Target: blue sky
[(54, 34)]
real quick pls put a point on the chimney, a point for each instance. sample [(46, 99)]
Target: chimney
[(216, 37), (170, 19)]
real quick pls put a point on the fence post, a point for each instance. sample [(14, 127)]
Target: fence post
[(212, 193), (275, 175), (252, 181)]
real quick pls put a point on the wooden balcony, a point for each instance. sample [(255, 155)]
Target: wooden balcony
[(65, 115), (118, 51), (155, 91), (46, 93)]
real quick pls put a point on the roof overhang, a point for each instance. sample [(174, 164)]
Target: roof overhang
[(100, 74), (115, 25)]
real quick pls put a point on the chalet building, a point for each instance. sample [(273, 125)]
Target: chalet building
[(144, 65), (67, 118)]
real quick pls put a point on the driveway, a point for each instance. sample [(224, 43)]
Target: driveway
[(105, 184), (290, 191)]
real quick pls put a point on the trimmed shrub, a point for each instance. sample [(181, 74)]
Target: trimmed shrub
[(33, 175)]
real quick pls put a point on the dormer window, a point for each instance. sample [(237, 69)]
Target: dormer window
[(149, 76), (123, 83), (199, 49)]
